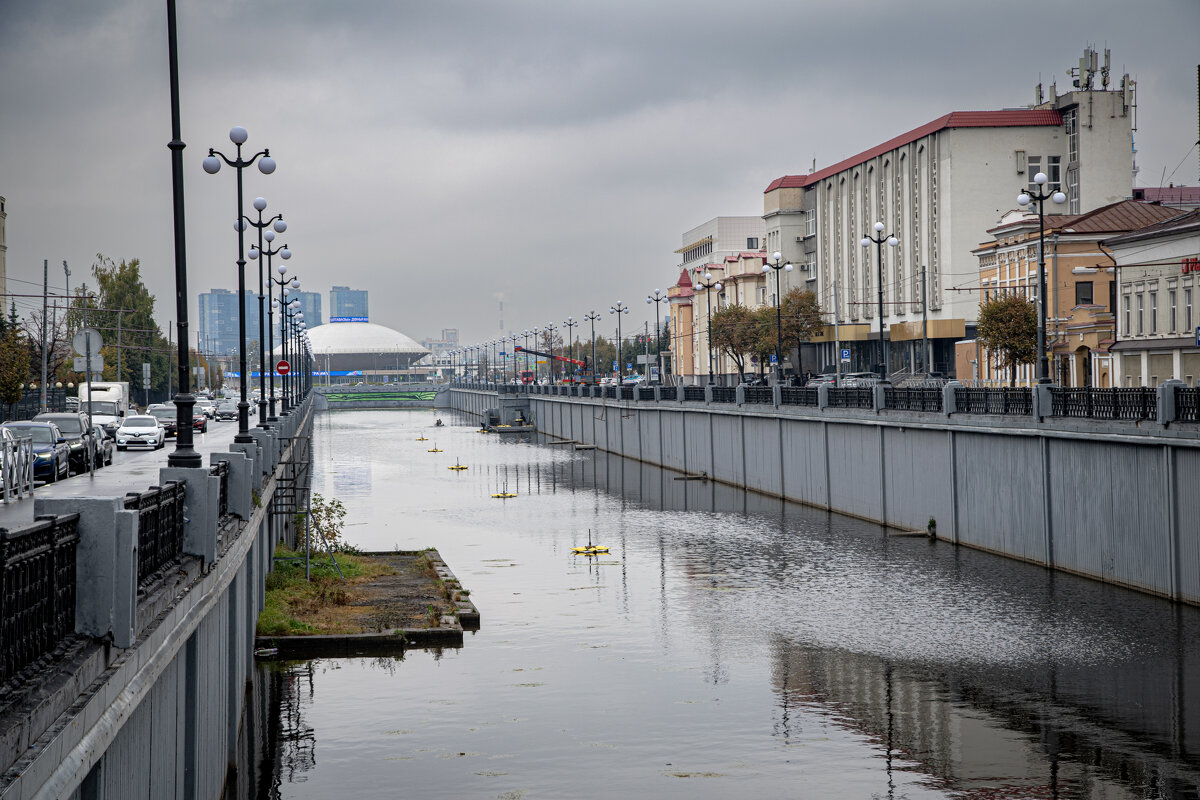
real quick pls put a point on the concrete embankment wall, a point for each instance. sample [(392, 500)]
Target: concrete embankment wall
[(1107, 500), (375, 396)]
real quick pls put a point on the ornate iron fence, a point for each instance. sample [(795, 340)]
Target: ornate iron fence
[(1140, 403), (798, 396), (1017, 401), (852, 397), (38, 601), (645, 393), (626, 392), (221, 470), (724, 394), (693, 393), (160, 528), (668, 392), (610, 392), (759, 394), (917, 399), (1187, 404)]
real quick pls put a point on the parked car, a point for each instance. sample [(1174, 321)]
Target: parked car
[(858, 380), (141, 430), (167, 416), (827, 379), (104, 446), (76, 428), (228, 409), (51, 454)]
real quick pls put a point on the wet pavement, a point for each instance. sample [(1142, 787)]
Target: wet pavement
[(729, 645)]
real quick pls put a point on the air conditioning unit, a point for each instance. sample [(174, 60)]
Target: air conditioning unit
[(799, 239)]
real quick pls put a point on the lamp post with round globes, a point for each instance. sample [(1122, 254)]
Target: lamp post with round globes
[(569, 325), (591, 317), (776, 264), (892, 241), (265, 328), (619, 308), (272, 302), (657, 298), (266, 165), (514, 338), (1023, 200), (706, 284), (549, 330)]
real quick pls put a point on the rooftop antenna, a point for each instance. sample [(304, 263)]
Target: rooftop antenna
[(1105, 69)]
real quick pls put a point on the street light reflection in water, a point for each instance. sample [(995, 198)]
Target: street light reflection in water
[(728, 645)]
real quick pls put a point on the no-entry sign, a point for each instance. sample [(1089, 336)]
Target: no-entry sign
[(283, 367)]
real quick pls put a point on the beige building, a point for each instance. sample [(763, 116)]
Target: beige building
[(1158, 283), (936, 188), (1080, 281)]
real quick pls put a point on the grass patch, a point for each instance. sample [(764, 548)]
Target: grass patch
[(295, 607)]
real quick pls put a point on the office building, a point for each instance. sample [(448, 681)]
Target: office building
[(217, 328), (310, 304), (345, 302)]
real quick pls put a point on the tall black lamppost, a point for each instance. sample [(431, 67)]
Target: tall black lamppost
[(706, 284), (287, 309), (184, 455), (776, 264), (892, 241), (525, 333), (569, 325), (591, 317), (514, 338), (283, 283), (549, 331), (266, 328), (1024, 199), (536, 344), (266, 165), (657, 298), (619, 308)]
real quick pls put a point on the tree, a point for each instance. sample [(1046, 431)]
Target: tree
[(14, 366), (1008, 329), (802, 319), (733, 332)]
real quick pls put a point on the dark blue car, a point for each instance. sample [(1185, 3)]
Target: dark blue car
[(51, 453)]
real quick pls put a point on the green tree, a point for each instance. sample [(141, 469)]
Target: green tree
[(734, 332), (1008, 329), (802, 319), (14, 366)]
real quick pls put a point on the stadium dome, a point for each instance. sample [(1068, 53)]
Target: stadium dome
[(361, 347)]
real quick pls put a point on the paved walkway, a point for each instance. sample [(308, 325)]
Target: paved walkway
[(131, 471)]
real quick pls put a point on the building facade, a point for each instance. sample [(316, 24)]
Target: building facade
[(310, 304), (346, 302), (217, 326), (1158, 285), (936, 189)]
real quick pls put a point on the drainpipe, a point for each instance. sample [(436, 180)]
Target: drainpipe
[(1054, 270)]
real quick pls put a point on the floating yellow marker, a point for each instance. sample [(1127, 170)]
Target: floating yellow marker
[(422, 439), (590, 549), (504, 495), (434, 450), (457, 466)]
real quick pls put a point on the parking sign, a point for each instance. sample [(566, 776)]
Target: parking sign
[(845, 354)]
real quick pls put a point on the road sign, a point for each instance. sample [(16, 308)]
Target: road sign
[(97, 365), (628, 365), (774, 360), (845, 354), (283, 368), (614, 366), (87, 339)]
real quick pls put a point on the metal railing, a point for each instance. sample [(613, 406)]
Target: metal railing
[(627, 392), (668, 392), (160, 528), (610, 392), (724, 394), (799, 396), (221, 470), (38, 566), (916, 399), (1134, 404), (16, 467), (645, 393), (695, 393), (852, 398), (759, 394), (1187, 404), (1017, 401)]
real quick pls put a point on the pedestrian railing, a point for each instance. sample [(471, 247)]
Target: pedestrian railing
[(668, 392), (16, 467), (1187, 404), (1013, 400), (160, 528), (645, 393), (916, 399), (221, 470), (610, 392), (724, 394), (626, 392), (695, 393), (759, 394), (856, 397), (38, 566), (1131, 404), (799, 396)]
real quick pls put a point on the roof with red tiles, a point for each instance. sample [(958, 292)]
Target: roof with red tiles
[(1015, 118)]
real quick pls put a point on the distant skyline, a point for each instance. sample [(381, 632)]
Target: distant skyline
[(452, 157)]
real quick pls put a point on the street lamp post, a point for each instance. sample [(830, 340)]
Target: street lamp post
[(283, 283), (619, 308), (570, 324), (591, 317), (892, 241), (266, 165), (706, 284), (514, 338), (776, 264), (279, 226), (657, 298), (1024, 199), (549, 331)]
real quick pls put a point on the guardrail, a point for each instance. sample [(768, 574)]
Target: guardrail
[(916, 399), (724, 394), (1187, 404), (852, 398), (994, 401), (1131, 404), (38, 567), (799, 396), (160, 528), (16, 468), (694, 393), (759, 394)]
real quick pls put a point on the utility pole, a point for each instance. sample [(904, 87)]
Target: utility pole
[(119, 344), (169, 353), (647, 364), (45, 293)]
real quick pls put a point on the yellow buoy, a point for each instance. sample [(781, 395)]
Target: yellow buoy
[(504, 495), (422, 439), (590, 549), (434, 450), (457, 466)]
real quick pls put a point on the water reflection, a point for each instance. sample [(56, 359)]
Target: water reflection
[(726, 637)]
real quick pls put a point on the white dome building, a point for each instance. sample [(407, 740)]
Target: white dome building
[(354, 351)]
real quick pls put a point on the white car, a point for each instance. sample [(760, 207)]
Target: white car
[(141, 430)]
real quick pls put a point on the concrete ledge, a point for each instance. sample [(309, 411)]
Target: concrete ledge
[(202, 493)]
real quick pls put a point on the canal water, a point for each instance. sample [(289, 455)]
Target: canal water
[(729, 645)]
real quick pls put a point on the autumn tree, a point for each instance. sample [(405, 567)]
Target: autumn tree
[(14, 366), (1008, 329), (733, 331), (802, 319)]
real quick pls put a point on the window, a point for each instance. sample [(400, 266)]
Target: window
[(1154, 312), (1171, 302), (762, 295), (1083, 293), (810, 222), (752, 243), (1053, 170), (1187, 309), (1072, 190), (1141, 304), (1034, 167)]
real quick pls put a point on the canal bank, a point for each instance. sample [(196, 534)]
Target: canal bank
[(729, 644)]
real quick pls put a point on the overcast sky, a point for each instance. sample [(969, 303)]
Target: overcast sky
[(443, 154)]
